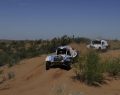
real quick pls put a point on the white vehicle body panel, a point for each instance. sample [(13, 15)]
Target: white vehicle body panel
[(64, 57), (98, 44)]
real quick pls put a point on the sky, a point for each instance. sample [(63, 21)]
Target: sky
[(45, 19)]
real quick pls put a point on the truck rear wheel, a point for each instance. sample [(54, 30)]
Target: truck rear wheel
[(99, 49), (47, 65)]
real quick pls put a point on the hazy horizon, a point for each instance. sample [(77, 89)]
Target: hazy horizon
[(44, 19)]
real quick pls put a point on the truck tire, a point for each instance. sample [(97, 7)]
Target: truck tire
[(68, 66), (99, 49), (47, 65)]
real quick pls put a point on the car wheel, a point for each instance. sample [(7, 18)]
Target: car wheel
[(47, 65), (99, 49), (68, 67)]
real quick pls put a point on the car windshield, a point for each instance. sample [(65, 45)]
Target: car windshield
[(61, 51), (96, 42)]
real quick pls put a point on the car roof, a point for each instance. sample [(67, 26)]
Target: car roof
[(98, 40), (65, 47)]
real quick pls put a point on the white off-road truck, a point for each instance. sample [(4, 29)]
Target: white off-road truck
[(98, 44), (63, 57)]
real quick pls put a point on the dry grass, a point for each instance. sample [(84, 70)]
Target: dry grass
[(114, 44), (104, 55), (80, 47)]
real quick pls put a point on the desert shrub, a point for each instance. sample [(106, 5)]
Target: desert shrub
[(92, 69), (2, 45), (88, 68), (3, 58), (13, 59), (1, 71), (11, 75), (114, 44), (113, 67), (79, 67), (11, 63), (60, 91)]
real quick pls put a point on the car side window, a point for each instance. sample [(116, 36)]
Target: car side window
[(102, 43)]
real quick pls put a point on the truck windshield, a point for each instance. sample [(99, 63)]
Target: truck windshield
[(61, 51), (96, 42)]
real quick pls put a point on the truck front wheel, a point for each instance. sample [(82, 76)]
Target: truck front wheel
[(99, 49), (47, 65), (68, 66)]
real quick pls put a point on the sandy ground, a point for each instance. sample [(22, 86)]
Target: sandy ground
[(31, 78)]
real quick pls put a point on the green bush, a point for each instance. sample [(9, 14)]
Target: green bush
[(88, 68), (79, 67), (113, 67), (3, 58)]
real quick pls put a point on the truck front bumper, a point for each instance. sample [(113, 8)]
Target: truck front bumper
[(59, 64)]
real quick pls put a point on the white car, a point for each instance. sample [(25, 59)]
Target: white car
[(98, 44), (63, 57)]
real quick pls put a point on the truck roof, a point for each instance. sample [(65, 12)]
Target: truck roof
[(66, 47), (99, 40)]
